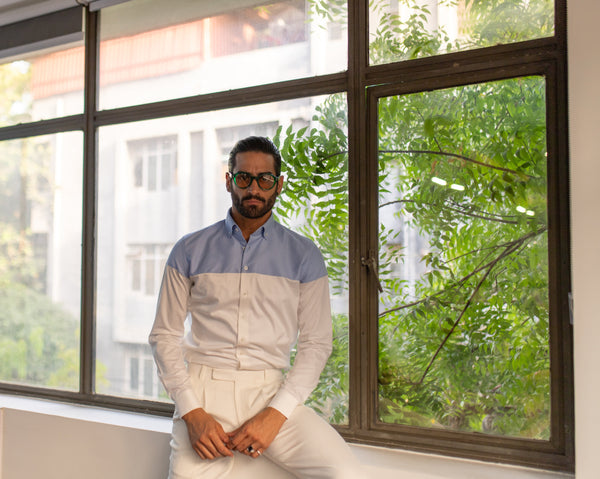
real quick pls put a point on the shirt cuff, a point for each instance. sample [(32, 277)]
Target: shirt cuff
[(186, 401), (284, 402)]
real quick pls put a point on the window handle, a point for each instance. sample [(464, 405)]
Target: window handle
[(371, 265)]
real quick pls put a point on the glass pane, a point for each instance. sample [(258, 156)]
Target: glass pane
[(151, 169), (134, 373), (406, 29), (40, 263), (149, 377), (136, 224), (155, 50), (46, 85), (463, 319), (150, 288), (314, 202), (166, 174)]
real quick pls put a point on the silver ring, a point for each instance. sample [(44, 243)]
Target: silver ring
[(258, 452)]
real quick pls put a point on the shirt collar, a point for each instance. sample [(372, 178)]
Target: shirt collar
[(265, 230)]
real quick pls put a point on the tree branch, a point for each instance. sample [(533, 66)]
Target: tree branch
[(508, 246), (494, 218), (508, 251), (457, 156)]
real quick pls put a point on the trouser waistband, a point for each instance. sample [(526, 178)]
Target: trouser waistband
[(239, 375)]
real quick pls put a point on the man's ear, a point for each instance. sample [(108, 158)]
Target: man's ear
[(280, 184), (228, 180)]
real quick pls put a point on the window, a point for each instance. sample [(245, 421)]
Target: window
[(40, 260), (425, 147), (154, 163), (463, 324), (146, 265), (137, 228), (143, 379)]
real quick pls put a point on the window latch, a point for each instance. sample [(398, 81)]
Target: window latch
[(371, 265)]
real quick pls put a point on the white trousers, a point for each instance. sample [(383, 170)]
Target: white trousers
[(306, 445)]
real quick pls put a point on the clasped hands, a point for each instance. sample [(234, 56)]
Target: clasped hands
[(210, 441)]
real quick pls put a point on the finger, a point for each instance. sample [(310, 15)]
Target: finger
[(224, 438), (254, 452), (202, 451), (244, 445), (221, 448), (218, 449), (239, 442)]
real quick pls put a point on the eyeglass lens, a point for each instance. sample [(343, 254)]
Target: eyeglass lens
[(265, 180)]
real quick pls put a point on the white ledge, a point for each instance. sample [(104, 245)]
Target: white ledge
[(121, 438)]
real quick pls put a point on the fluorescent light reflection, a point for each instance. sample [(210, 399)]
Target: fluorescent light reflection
[(456, 187), (439, 181), (520, 209)]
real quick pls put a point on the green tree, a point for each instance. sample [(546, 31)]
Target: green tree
[(464, 344), (37, 339), (39, 342)]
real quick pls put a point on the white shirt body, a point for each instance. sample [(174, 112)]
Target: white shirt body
[(249, 303)]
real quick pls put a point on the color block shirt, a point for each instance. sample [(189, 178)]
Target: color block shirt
[(249, 303)]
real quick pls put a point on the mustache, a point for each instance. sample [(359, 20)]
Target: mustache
[(253, 197)]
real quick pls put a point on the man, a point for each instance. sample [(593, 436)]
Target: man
[(252, 288)]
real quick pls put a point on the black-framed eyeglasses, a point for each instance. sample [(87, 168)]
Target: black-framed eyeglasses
[(265, 181)]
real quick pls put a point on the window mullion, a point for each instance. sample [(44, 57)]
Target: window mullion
[(359, 238), (88, 341)]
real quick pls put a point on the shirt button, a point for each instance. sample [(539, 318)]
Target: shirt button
[(245, 268)]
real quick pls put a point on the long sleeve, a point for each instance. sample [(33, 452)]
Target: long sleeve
[(166, 339), (313, 347)]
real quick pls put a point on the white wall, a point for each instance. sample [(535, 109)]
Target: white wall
[(584, 123), (42, 439)]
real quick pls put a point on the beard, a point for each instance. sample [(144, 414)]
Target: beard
[(253, 211)]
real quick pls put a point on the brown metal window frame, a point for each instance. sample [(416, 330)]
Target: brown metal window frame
[(363, 84), (545, 57)]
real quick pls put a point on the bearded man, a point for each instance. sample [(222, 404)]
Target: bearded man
[(253, 289)]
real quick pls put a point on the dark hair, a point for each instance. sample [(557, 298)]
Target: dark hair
[(256, 143)]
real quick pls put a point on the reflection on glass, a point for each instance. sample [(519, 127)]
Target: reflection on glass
[(161, 179), (155, 50), (406, 29), (463, 319), (40, 264)]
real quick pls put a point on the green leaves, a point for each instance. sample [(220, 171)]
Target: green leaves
[(36, 336), (465, 170), (315, 196), (463, 247)]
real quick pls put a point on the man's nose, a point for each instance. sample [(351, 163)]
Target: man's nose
[(253, 185)]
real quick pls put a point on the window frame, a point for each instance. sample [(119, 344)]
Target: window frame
[(522, 451), (363, 84)]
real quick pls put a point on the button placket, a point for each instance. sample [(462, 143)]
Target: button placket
[(243, 306)]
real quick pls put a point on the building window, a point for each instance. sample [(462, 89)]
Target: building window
[(227, 137), (154, 163), (146, 266), (143, 382), (134, 374)]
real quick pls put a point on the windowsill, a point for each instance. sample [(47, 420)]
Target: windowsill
[(382, 462), (87, 413)]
